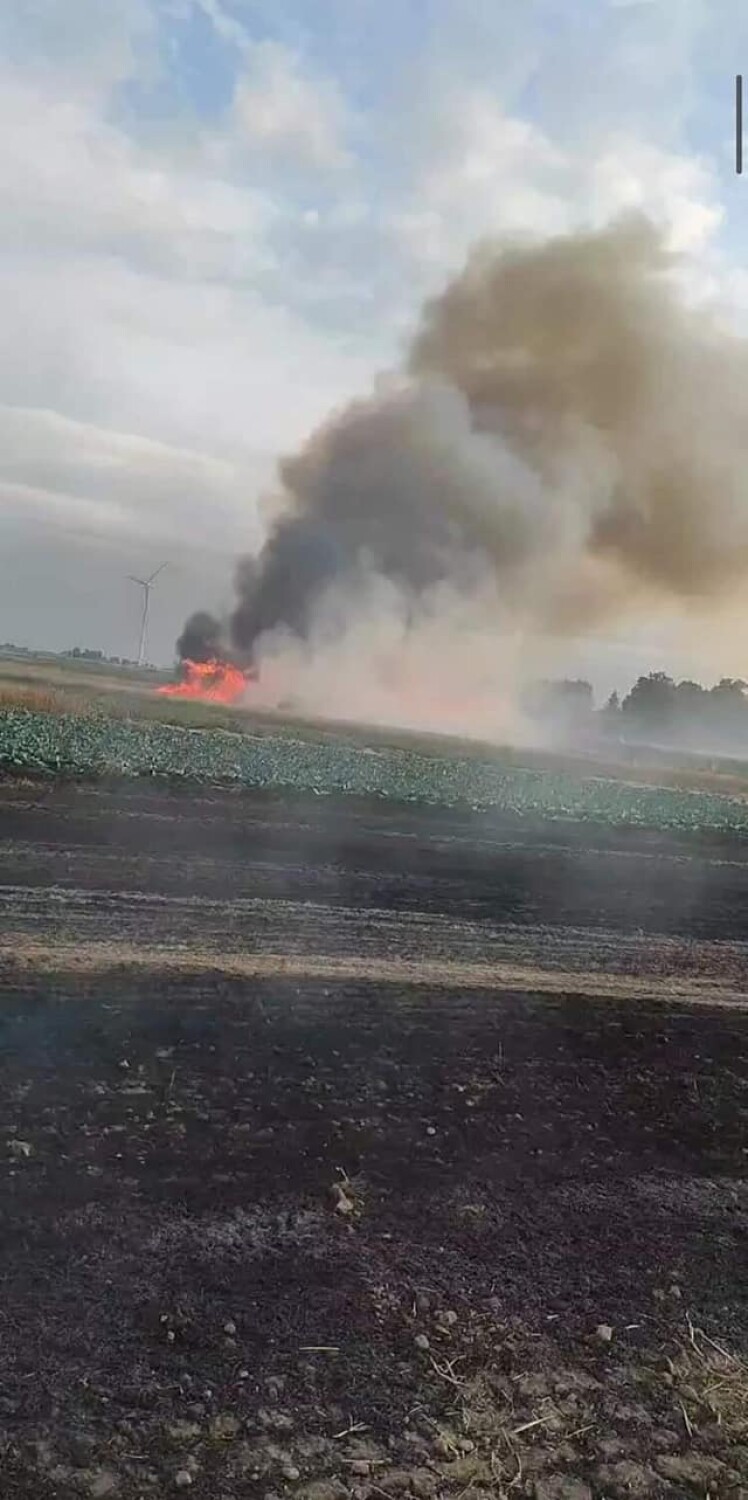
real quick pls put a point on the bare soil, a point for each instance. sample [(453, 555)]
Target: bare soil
[(355, 1151)]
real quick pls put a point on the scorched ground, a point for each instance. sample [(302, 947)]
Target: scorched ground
[(358, 1151)]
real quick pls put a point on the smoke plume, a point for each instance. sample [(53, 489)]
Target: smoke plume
[(568, 440)]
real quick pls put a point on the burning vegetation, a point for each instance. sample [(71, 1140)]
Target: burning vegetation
[(211, 681)]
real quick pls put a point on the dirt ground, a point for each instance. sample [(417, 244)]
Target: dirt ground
[(352, 1151)]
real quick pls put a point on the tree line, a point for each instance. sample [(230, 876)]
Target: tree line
[(657, 711)]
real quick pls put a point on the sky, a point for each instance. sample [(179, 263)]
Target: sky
[(222, 216)]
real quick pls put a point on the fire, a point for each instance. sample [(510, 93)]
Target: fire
[(211, 681)]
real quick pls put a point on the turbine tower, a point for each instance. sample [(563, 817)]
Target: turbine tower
[(145, 584)]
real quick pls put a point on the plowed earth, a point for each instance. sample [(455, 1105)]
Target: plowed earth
[(350, 1150)]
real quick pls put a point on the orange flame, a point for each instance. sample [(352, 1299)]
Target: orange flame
[(210, 681)]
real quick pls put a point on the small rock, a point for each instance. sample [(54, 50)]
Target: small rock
[(291, 1473), (532, 1384), (626, 1478), (279, 1421), (431, 1130), (561, 1487), (466, 1470), (324, 1489), (604, 1333), (449, 1317), (423, 1484), (360, 1466), (21, 1150), (183, 1432), (494, 1305), (610, 1447), (396, 1482), (102, 1484), (697, 1469), (421, 1341), (225, 1426), (61, 1474), (343, 1204), (229, 1328), (183, 1479), (663, 1438)]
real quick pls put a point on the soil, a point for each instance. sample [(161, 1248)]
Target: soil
[(358, 1151)]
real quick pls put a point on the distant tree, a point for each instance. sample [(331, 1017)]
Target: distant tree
[(650, 706), (609, 717)]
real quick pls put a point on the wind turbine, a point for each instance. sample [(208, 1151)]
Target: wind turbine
[(145, 584)]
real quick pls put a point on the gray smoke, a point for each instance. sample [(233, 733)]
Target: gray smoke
[(566, 426)]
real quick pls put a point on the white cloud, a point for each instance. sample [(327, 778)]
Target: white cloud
[(87, 46), (484, 173), (678, 191), (279, 109), (72, 183)]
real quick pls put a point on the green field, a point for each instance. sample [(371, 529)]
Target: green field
[(99, 745)]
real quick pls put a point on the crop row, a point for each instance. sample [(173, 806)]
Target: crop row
[(100, 746)]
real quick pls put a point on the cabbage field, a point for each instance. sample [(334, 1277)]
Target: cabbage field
[(95, 745)]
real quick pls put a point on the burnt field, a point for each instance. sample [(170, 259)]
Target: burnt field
[(353, 1150)]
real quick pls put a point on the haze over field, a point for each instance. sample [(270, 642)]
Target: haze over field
[(550, 481)]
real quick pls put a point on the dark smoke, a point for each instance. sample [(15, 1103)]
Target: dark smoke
[(201, 639), (280, 587), (566, 426)]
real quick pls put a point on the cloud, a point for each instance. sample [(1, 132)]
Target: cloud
[(88, 47), (487, 174), (677, 191), (74, 183), (114, 480), (280, 110)]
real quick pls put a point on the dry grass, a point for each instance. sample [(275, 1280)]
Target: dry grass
[(43, 700), (711, 1385), (38, 700)]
